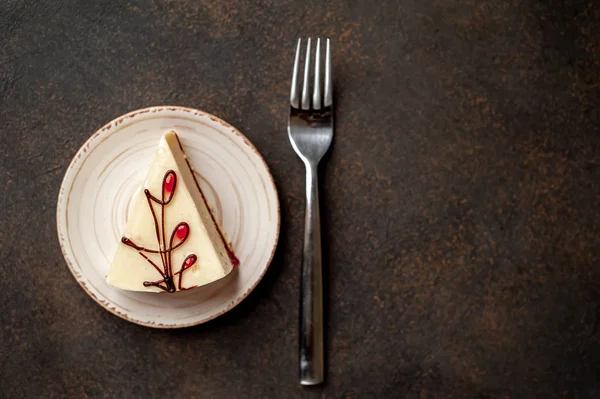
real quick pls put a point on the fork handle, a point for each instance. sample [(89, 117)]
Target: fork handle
[(312, 367)]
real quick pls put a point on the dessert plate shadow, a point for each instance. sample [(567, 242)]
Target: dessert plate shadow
[(103, 178)]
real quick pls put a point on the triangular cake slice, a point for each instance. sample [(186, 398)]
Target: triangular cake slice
[(172, 241)]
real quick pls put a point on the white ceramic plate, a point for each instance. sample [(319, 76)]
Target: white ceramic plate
[(96, 196)]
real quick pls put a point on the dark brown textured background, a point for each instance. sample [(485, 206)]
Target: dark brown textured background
[(461, 199)]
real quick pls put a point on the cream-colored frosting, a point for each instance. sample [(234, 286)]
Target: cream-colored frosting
[(129, 269)]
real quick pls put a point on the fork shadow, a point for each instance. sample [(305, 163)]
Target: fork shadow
[(325, 253)]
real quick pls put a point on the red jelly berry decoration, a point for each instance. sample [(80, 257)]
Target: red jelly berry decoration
[(169, 182), (189, 261), (234, 260), (182, 231)]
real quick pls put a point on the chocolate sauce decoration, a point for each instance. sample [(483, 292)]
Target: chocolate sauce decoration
[(234, 260), (177, 238)]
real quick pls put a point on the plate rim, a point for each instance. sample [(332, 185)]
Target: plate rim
[(68, 179)]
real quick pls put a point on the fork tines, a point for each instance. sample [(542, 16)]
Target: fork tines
[(319, 100)]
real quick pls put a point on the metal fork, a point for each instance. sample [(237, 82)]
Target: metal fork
[(310, 129)]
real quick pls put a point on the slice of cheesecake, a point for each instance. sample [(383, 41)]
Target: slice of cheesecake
[(172, 241)]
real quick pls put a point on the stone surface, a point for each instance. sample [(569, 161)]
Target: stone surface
[(461, 198)]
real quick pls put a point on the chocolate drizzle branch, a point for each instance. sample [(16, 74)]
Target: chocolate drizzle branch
[(177, 237)]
